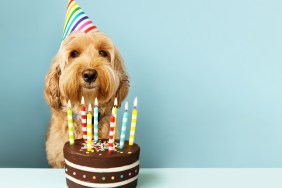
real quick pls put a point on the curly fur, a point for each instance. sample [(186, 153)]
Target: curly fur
[(64, 82)]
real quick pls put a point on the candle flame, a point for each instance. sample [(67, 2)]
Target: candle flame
[(89, 107), (115, 103), (126, 106), (135, 102), (96, 102), (82, 100), (69, 104)]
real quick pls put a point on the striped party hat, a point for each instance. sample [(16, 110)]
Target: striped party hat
[(77, 20)]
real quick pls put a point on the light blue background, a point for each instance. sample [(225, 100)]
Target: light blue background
[(208, 75)]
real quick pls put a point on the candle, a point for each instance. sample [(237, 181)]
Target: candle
[(123, 128), (89, 128), (111, 135), (133, 123), (114, 112), (83, 119), (96, 113), (70, 124)]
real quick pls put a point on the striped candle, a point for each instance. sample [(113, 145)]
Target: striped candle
[(83, 119), (133, 123), (114, 112), (89, 128), (70, 124), (111, 135), (123, 128), (96, 113)]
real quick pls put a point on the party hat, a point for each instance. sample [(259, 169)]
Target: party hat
[(77, 20)]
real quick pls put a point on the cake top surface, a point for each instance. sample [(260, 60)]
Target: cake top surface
[(100, 149)]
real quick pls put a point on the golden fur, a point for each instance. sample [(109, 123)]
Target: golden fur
[(64, 81)]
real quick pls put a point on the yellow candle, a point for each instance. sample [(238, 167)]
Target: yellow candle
[(133, 123), (70, 124), (89, 128)]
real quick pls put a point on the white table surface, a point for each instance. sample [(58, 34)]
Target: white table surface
[(155, 178)]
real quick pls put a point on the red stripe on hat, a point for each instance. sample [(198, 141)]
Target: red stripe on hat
[(90, 28), (69, 3)]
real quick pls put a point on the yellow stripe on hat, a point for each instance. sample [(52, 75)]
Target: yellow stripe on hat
[(72, 6)]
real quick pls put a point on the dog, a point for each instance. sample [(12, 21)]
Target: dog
[(88, 65)]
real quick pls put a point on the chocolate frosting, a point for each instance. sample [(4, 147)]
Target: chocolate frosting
[(121, 157)]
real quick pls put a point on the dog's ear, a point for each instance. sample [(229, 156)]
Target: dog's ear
[(124, 80), (52, 91)]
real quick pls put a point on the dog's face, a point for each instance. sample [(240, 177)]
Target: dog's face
[(89, 65)]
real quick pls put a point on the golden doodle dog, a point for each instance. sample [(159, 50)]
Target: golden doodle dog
[(88, 65)]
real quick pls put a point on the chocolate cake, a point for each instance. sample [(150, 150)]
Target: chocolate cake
[(98, 168)]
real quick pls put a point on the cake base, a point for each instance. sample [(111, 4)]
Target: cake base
[(74, 185), (98, 167)]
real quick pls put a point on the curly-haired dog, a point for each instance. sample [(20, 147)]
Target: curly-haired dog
[(89, 65)]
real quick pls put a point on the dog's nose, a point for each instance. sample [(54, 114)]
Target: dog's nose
[(89, 75)]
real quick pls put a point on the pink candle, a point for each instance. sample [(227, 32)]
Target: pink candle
[(83, 119)]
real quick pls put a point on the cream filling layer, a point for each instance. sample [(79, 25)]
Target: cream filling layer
[(90, 169)]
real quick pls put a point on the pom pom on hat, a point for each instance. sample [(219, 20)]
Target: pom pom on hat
[(77, 20)]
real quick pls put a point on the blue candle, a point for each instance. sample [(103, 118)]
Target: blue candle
[(123, 128)]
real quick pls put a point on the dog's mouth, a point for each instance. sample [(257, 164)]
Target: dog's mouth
[(89, 87)]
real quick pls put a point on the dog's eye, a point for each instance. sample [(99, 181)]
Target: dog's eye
[(103, 53), (74, 54)]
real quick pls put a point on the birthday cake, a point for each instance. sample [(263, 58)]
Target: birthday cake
[(98, 168)]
